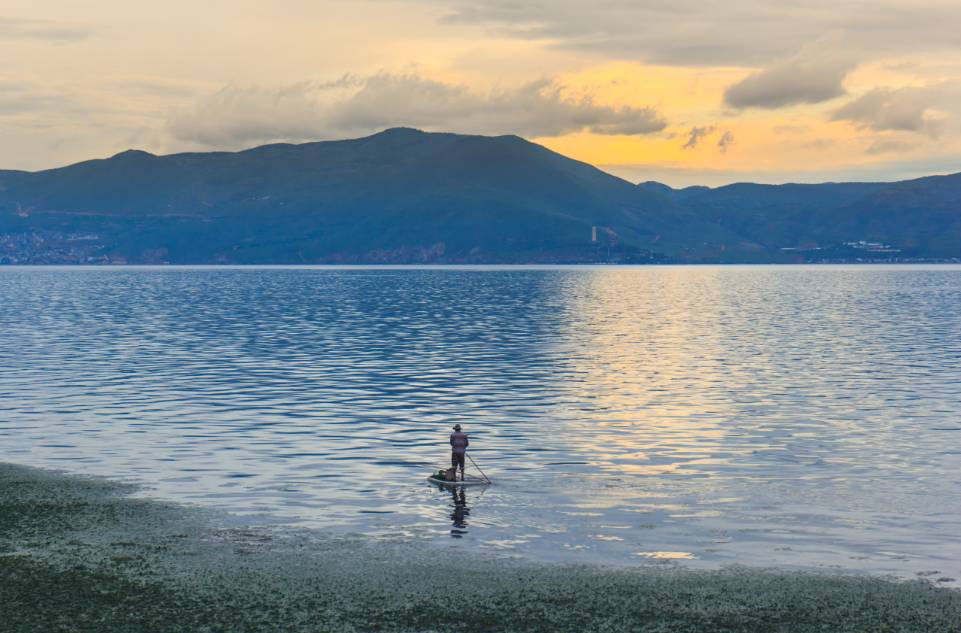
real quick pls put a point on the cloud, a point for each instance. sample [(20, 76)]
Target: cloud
[(695, 134), (889, 146), (819, 144), (792, 128), (21, 98), (150, 87), (802, 79), (725, 142), (13, 28), (237, 116), (693, 32), (908, 109), (684, 175)]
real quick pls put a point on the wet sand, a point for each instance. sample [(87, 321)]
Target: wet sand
[(81, 554)]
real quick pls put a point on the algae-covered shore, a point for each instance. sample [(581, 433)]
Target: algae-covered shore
[(80, 554)]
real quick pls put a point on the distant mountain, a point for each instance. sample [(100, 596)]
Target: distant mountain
[(405, 196), (914, 219)]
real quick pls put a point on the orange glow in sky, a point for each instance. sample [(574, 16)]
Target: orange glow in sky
[(685, 94)]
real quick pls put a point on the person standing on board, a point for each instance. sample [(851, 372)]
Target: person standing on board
[(458, 446)]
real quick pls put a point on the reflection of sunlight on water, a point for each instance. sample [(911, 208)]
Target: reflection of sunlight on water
[(605, 537), (667, 555), (648, 345)]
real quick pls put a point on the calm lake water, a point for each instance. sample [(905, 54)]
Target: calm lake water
[(770, 416)]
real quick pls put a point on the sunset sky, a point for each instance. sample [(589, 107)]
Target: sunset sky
[(681, 91)]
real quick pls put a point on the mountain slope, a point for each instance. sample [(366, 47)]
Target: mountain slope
[(396, 196), (409, 196), (914, 219)]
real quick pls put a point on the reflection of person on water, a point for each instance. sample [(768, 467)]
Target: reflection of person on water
[(458, 444), (460, 513)]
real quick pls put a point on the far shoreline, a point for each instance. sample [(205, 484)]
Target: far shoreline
[(931, 265)]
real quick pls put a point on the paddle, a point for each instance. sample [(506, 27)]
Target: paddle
[(478, 467)]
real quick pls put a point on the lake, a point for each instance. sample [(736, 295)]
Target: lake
[(797, 417)]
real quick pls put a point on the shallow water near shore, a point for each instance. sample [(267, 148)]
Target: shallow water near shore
[(80, 552), (799, 417)]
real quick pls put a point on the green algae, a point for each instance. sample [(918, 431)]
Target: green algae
[(79, 554)]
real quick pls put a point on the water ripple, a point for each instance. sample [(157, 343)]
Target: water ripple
[(761, 415)]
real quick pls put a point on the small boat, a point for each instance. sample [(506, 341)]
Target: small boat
[(469, 480)]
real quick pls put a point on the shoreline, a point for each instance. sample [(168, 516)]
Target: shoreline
[(81, 554), (947, 263)]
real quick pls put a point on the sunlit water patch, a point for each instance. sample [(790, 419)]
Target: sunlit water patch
[(797, 417)]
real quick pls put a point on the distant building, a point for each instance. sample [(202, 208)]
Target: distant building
[(593, 235), (872, 247)]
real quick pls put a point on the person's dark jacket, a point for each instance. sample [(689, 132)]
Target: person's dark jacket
[(459, 442)]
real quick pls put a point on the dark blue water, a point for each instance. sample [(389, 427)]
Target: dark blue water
[(790, 416)]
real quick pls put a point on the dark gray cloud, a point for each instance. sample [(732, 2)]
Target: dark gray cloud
[(700, 132), (14, 28), (695, 135), (724, 143), (797, 80), (904, 109), (693, 32), (238, 116)]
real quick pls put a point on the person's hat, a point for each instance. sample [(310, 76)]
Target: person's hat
[(457, 427)]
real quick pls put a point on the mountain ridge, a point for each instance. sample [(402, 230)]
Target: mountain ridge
[(407, 196)]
